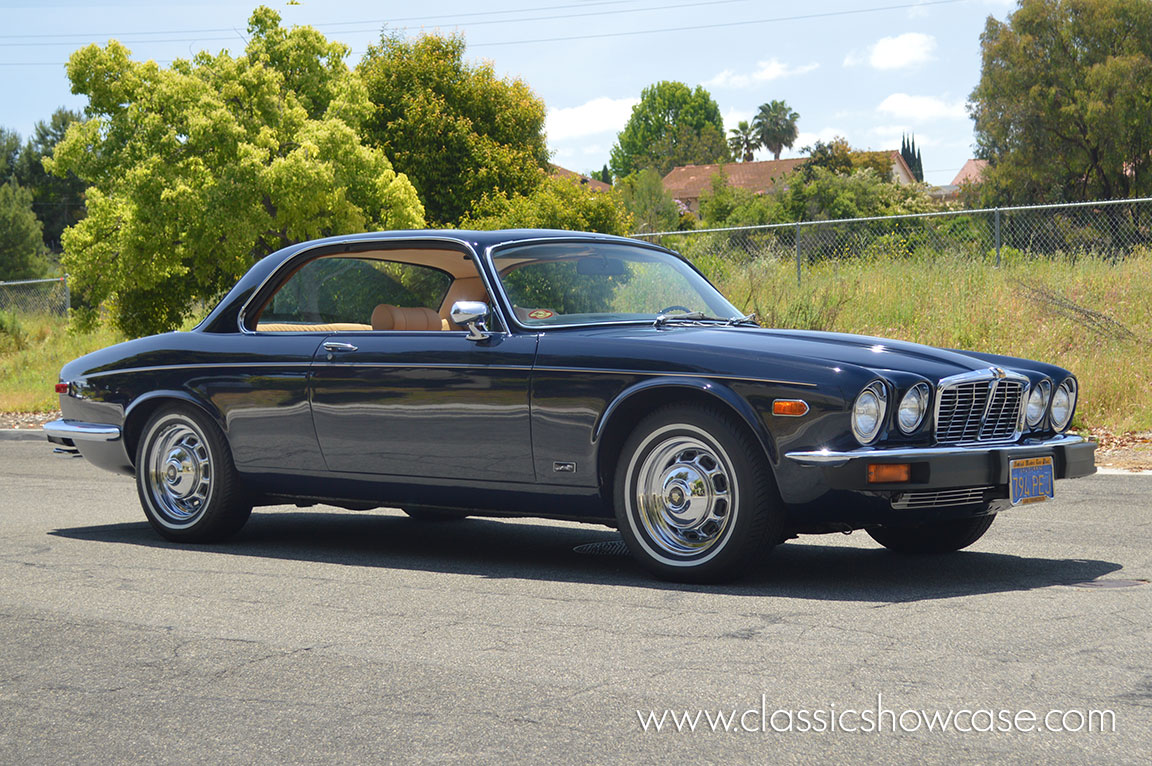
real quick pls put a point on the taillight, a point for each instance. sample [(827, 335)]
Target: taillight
[(61, 388)]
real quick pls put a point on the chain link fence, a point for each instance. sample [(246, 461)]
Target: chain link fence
[(1110, 230), (36, 296)]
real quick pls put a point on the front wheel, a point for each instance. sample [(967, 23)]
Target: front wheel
[(186, 480), (694, 495), (937, 537)]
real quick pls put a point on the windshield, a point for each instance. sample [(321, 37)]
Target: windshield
[(562, 283)]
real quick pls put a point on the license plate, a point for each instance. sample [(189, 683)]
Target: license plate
[(1030, 480)]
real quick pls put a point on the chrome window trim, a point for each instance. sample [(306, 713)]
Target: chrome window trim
[(492, 249), (976, 376), (399, 242)]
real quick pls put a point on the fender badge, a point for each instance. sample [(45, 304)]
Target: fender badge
[(559, 467)]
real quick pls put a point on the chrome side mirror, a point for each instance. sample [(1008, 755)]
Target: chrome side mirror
[(473, 315)]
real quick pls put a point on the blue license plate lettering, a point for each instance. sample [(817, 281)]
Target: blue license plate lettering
[(1030, 480)]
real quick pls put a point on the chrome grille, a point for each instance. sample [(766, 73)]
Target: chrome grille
[(979, 411), (940, 498)]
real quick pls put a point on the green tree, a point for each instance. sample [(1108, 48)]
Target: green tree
[(200, 169), (21, 244), (651, 207), (743, 141), (59, 202), (775, 126), (9, 153), (1061, 109), (456, 129), (724, 205), (555, 203), (670, 117)]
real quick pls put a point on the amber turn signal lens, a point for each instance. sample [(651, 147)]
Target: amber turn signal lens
[(889, 473), (61, 388), (793, 408)]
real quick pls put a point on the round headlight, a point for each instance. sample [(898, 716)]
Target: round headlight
[(913, 407), (1063, 403), (1038, 402), (868, 412)]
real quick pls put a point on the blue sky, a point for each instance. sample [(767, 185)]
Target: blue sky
[(868, 70)]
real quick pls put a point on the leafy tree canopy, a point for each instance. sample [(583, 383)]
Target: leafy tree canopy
[(743, 142), (651, 207), (200, 169), (775, 126), (21, 246), (9, 153), (725, 205), (58, 202), (456, 129), (671, 117), (555, 203), (1061, 110)]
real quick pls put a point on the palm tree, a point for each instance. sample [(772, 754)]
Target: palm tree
[(743, 141), (775, 126)]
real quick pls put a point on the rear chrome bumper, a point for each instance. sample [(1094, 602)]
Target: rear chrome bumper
[(75, 430)]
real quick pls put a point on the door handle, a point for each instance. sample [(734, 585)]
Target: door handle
[(334, 346)]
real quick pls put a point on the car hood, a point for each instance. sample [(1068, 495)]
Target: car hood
[(720, 349)]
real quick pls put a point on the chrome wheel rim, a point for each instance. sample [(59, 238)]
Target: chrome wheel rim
[(686, 496), (179, 474)]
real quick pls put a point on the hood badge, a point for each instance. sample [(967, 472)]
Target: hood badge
[(998, 373)]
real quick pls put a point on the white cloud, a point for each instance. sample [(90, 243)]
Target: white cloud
[(901, 52), (734, 116), (921, 108), (600, 115), (766, 71), (806, 138)]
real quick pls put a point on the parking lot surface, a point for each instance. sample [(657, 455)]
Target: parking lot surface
[(323, 635)]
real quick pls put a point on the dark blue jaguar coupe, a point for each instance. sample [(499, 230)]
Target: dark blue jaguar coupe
[(563, 375)]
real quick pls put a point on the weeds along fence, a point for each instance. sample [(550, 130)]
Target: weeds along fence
[(1104, 230), (36, 296)]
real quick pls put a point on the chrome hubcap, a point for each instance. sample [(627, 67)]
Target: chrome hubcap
[(179, 474), (685, 495)]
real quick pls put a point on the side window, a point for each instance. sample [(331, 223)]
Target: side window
[(342, 294)]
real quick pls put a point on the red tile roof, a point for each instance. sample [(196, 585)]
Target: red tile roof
[(689, 181), (970, 173), (591, 183)]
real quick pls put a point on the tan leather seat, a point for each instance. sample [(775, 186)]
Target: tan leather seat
[(462, 289), (388, 317)]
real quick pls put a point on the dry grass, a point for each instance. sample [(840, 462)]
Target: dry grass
[(32, 351), (1091, 316)]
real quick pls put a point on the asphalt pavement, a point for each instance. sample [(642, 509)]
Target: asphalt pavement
[(322, 635)]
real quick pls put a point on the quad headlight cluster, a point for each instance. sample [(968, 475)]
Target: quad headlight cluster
[(913, 408), (1058, 404), (868, 412)]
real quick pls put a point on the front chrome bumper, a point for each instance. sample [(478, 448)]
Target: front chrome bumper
[(833, 458), (76, 430)]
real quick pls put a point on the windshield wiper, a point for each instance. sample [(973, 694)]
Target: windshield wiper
[(700, 316)]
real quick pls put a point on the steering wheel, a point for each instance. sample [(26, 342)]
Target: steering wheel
[(676, 307)]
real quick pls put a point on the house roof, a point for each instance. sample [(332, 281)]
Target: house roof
[(689, 181), (970, 173), (591, 183)]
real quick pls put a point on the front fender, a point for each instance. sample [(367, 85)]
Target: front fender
[(701, 388)]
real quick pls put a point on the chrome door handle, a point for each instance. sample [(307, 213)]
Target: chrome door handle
[(333, 346)]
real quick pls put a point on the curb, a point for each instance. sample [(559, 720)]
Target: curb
[(23, 435)]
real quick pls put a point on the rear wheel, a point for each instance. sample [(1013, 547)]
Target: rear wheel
[(694, 495), (186, 479), (938, 537)]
